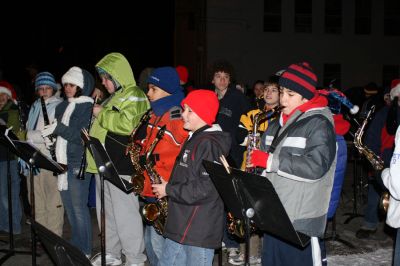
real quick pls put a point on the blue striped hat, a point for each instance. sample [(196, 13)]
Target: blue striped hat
[(45, 78)]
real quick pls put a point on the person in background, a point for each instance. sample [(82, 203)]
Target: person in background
[(49, 210), (302, 165), (380, 140), (194, 226), (232, 105), (183, 73), (72, 115), (9, 117), (114, 121), (165, 95)]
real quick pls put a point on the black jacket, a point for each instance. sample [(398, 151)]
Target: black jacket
[(195, 210)]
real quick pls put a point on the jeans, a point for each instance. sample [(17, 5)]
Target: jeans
[(175, 254), (16, 203), (154, 244), (396, 259), (75, 201), (371, 213)]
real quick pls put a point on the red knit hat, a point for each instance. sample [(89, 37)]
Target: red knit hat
[(394, 88), (8, 89), (301, 79), (204, 103), (183, 73)]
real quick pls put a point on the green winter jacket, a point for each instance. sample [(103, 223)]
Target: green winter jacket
[(10, 115), (122, 111)]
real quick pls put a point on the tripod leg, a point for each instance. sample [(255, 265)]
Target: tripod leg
[(103, 222)]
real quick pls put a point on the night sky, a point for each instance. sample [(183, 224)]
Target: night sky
[(144, 35)]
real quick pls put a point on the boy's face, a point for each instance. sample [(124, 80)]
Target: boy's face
[(271, 95), (290, 100), (155, 93), (108, 83), (221, 80), (45, 91), (191, 121), (258, 89)]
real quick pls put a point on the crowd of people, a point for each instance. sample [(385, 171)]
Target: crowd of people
[(305, 163)]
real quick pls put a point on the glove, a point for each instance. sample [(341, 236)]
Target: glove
[(259, 158), (49, 143), (49, 129), (62, 182)]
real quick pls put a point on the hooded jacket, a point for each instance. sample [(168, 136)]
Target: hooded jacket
[(195, 209), (9, 115), (303, 164), (121, 112)]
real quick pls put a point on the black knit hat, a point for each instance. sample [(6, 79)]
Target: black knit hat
[(300, 78)]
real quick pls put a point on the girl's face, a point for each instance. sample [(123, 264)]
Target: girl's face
[(45, 91), (70, 90)]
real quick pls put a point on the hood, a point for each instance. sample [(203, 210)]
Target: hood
[(224, 138), (119, 68)]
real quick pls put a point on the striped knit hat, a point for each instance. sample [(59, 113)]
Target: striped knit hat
[(45, 78), (300, 78)]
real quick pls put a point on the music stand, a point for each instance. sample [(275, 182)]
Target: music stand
[(34, 158), (249, 196), (5, 137), (107, 172), (60, 251)]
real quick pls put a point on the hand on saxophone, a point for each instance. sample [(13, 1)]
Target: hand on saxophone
[(159, 189), (258, 159)]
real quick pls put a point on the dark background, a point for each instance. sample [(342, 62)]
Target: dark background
[(55, 41)]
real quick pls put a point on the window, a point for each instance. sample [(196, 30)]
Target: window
[(389, 72), (272, 16), (392, 17), (362, 17), (332, 73), (303, 16), (333, 16)]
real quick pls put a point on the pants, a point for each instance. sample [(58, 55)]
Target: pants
[(16, 203), (279, 252), (396, 258), (371, 212), (124, 227), (49, 210), (175, 254), (75, 203), (154, 245)]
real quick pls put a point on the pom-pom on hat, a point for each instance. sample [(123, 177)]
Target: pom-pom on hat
[(301, 79), (8, 89), (204, 103), (73, 76), (45, 78), (165, 78), (395, 89), (183, 73)]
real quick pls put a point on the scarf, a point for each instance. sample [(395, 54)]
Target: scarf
[(162, 105), (61, 143)]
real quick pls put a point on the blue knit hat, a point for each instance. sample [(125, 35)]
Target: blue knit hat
[(88, 83), (45, 78), (165, 78)]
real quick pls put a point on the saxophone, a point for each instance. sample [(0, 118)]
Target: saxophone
[(235, 225), (134, 150), (375, 160), (155, 213)]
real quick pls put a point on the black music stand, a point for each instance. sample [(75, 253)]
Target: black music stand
[(107, 172), (5, 140), (60, 251), (253, 197), (34, 158)]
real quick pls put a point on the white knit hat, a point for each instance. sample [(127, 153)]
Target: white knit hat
[(395, 89), (74, 76)]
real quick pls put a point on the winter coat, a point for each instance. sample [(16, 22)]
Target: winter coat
[(195, 209), (168, 148), (121, 113), (302, 166), (391, 180), (10, 116)]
